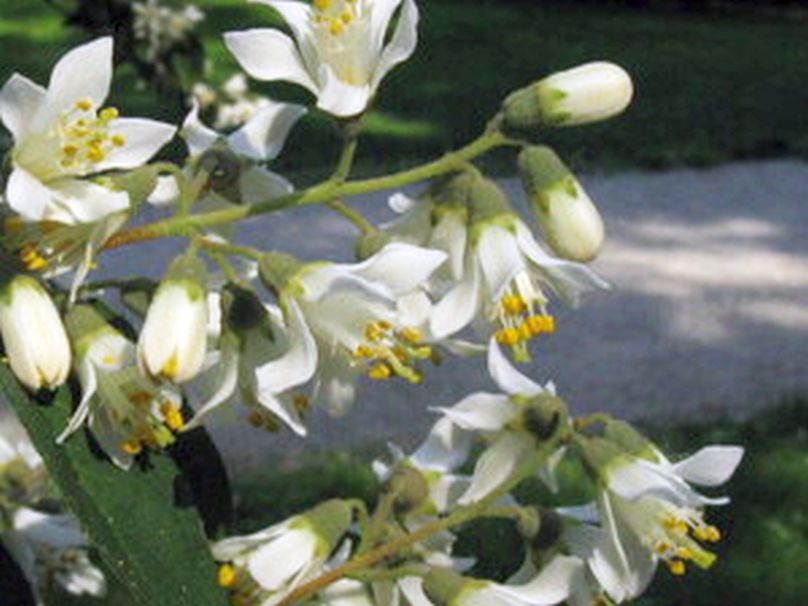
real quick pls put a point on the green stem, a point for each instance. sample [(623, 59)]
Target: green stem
[(460, 516), (355, 217), (225, 248), (322, 192), (376, 524)]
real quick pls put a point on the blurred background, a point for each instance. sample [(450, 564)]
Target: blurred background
[(703, 185)]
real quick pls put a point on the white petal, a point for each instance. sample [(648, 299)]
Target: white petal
[(142, 139), (481, 412), (233, 548), (89, 385), (710, 466), (263, 136), (83, 73), (27, 195), (413, 590), (87, 201), (445, 448), (298, 364), (381, 13), (499, 258), (223, 378), (335, 389), (450, 235), (165, 192), (507, 378), (267, 54), (401, 267), (339, 98), (551, 586), (497, 464), (457, 309), (277, 562), (197, 136), (20, 100), (296, 14), (284, 409), (414, 309), (258, 184), (401, 45)]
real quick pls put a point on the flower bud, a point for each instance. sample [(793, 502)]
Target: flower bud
[(33, 334), (277, 269), (569, 221), (368, 244), (588, 93), (173, 340)]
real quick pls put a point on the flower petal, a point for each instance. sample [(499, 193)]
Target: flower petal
[(83, 73), (551, 586), (218, 384), (285, 409), (481, 412), (274, 564), (459, 306), (400, 267), (267, 54), (89, 385), (507, 378), (258, 184), (86, 201), (142, 139), (20, 100), (500, 259), (446, 447), (27, 195), (497, 464), (402, 44), (197, 136), (339, 98), (710, 466), (263, 136), (297, 365)]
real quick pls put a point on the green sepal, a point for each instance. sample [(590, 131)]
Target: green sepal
[(330, 521), (138, 183), (277, 269), (630, 440), (541, 170)]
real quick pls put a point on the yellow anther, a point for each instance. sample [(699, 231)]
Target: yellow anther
[(110, 360), (662, 548), (32, 259), (108, 113), (525, 332), (300, 402), (132, 447), (677, 567), (384, 325), (95, 154), (118, 140), (380, 372), (549, 324), (67, 163), (70, 150), (684, 553), (172, 416), (374, 331), (84, 105), (226, 576), (346, 17), (513, 304), (322, 5), (710, 534), (507, 336), (364, 351), (336, 27), (536, 324), (171, 367), (411, 335)]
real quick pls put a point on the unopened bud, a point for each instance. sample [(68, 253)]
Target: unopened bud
[(277, 269), (588, 93), (368, 244), (443, 586), (410, 488), (630, 440), (542, 415), (330, 521), (568, 219), (486, 201), (34, 337)]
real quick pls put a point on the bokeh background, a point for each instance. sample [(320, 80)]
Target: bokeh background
[(703, 185)]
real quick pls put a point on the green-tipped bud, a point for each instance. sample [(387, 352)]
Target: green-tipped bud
[(410, 488), (588, 93), (630, 440), (277, 270), (444, 587), (486, 201), (368, 244), (542, 415), (173, 341), (329, 521), (599, 455), (33, 334), (452, 190), (568, 219)]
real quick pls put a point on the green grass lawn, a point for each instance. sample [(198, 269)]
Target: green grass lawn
[(709, 87)]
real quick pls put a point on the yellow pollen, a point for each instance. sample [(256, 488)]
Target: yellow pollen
[(95, 154), (336, 27), (536, 324), (380, 372), (84, 105), (32, 259), (108, 113), (679, 527), (662, 548), (322, 5), (411, 335), (226, 576), (109, 360), (346, 17), (525, 333), (677, 567), (384, 325), (513, 304), (507, 336), (710, 534), (171, 367), (118, 140), (684, 553), (363, 351), (70, 150), (132, 447), (172, 415)]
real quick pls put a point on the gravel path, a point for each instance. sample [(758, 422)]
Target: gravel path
[(708, 313)]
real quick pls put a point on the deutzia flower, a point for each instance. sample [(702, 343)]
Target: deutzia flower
[(550, 586), (648, 512), (514, 422), (33, 334), (51, 549), (504, 272), (173, 340), (125, 410), (340, 50), (343, 319), (236, 175), (62, 135), (250, 335), (267, 565)]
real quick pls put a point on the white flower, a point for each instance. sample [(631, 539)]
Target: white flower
[(50, 548), (33, 334), (14, 441), (551, 586), (343, 319), (125, 410), (510, 421), (62, 135), (504, 272), (269, 564), (340, 50), (173, 340), (648, 512)]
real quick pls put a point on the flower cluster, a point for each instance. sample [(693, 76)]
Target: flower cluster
[(270, 335)]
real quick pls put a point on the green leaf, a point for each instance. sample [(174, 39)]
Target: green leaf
[(153, 545)]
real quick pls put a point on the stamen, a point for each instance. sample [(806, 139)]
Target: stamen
[(171, 367), (411, 335), (507, 336), (132, 447), (677, 567), (84, 105), (380, 372), (172, 415), (32, 259), (226, 576)]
